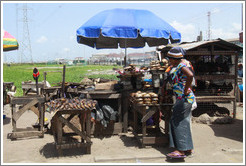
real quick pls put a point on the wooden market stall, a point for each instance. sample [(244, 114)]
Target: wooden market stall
[(215, 64)]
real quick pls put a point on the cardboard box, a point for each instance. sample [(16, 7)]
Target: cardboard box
[(105, 86)]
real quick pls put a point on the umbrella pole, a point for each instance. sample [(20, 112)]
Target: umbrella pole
[(125, 59)]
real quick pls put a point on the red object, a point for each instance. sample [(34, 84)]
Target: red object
[(35, 75)]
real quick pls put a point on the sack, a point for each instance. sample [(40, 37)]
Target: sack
[(194, 105)]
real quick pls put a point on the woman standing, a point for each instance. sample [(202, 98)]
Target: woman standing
[(181, 75)]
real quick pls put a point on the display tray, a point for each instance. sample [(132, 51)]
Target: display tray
[(133, 100)]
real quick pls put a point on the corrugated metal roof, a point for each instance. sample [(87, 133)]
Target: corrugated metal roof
[(190, 45)]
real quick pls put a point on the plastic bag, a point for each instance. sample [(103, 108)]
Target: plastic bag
[(109, 113), (194, 105)]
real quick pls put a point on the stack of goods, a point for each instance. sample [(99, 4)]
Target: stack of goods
[(164, 64), (131, 78), (71, 104), (144, 68), (150, 98), (157, 65), (131, 70)]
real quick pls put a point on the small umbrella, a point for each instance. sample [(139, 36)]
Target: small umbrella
[(9, 42), (126, 28)]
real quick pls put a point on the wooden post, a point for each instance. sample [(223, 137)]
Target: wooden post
[(45, 73), (236, 86), (63, 80)]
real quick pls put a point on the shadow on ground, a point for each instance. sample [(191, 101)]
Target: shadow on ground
[(7, 120), (232, 131), (49, 151), (129, 141)]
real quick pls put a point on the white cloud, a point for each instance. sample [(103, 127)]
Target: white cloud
[(236, 27), (66, 49), (42, 39), (72, 38), (231, 32), (223, 34), (188, 31), (215, 10)]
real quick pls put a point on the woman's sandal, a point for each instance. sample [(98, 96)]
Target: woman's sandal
[(176, 155), (189, 153)]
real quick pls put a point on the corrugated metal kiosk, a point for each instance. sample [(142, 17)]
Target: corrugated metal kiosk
[(215, 64)]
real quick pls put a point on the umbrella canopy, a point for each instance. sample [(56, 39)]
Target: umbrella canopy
[(126, 28), (9, 42)]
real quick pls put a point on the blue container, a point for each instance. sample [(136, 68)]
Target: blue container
[(4, 116), (148, 80)]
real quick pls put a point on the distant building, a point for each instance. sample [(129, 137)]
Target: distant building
[(79, 60), (60, 61)]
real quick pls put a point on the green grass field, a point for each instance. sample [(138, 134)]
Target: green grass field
[(18, 73)]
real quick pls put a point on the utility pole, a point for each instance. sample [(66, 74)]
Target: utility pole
[(17, 18), (209, 31), (26, 51)]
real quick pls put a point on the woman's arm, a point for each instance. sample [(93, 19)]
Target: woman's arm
[(189, 76)]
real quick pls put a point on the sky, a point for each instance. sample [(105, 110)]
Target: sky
[(52, 26)]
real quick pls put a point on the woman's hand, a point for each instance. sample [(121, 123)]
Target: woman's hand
[(187, 92)]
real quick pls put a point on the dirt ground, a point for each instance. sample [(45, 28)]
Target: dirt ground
[(216, 143)]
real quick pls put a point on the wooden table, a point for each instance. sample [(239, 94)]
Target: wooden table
[(113, 128), (27, 103), (145, 137), (28, 86), (65, 140)]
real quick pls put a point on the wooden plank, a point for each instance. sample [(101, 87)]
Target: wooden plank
[(63, 80), (144, 124), (215, 77), (41, 116), (119, 110), (31, 85), (26, 99), (88, 131), (59, 132), (148, 115), (17, 115), (208, 53), (102, 92), (35, 110), (103, 96), (73, 145), (76, 130), (214, 98), (26, 129), (26, 134), (13, 111)]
